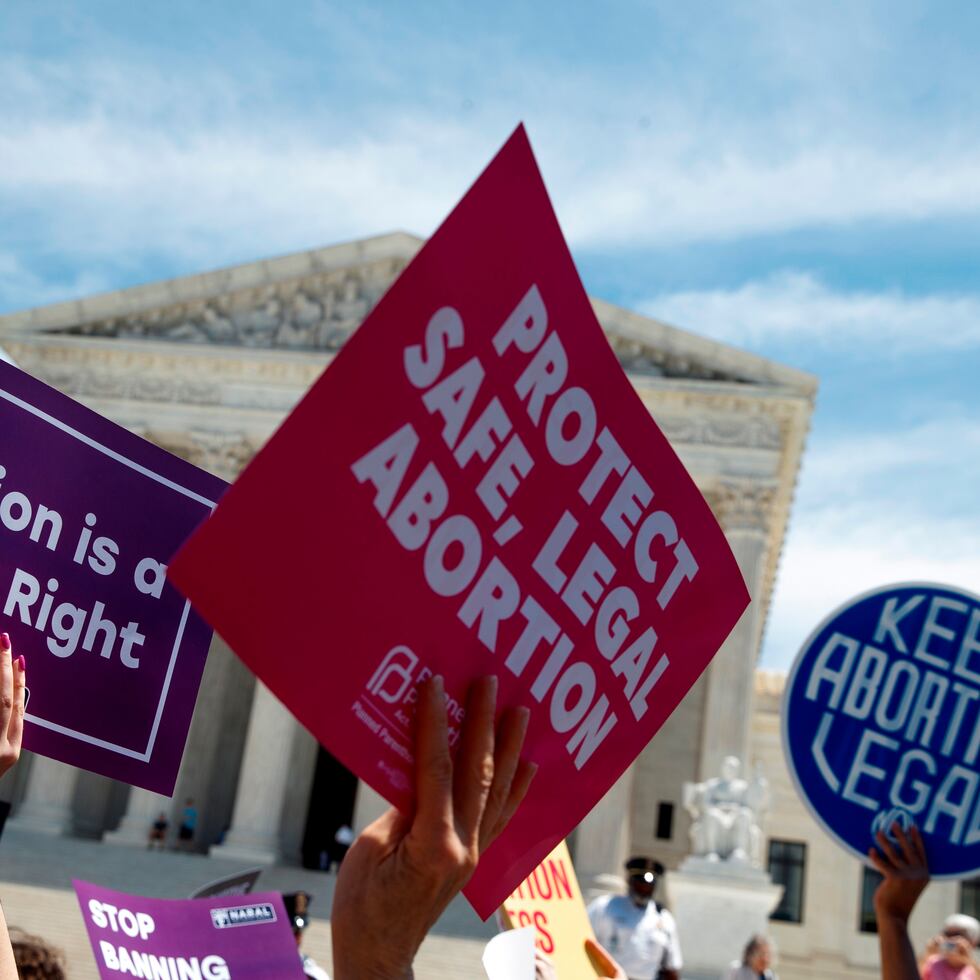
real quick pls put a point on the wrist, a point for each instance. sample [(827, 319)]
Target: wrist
[(359, 968), (367, 961), (892, 918)]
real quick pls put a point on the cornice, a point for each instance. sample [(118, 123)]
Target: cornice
[(203, 384)]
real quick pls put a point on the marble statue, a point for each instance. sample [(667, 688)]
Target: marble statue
[(728, 811)]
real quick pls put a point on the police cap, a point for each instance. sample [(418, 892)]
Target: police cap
[(641, 867)]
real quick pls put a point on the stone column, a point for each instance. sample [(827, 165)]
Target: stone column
[(142, 810), (603, 839), (742, 511), (254, 833), (47, 804)]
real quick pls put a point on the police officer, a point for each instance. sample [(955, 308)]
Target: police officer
[(297, 908), (638, 932)]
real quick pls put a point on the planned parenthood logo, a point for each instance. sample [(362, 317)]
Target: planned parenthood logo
[(243, 915), (881, 722)]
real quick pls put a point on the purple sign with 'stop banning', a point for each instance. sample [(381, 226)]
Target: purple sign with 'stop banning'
[(90, 516), (241, 937)]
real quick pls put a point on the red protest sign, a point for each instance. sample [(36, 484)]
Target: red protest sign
[(474, 486)]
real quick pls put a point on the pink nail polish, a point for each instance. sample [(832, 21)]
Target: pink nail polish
[(22, 663), (4, 641)]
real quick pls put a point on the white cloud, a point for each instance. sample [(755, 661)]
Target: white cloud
[(411, 170), (658, 196), (206, 166), (940, 449), (874, 509), (797, 307), (19, 286), (830, 558)]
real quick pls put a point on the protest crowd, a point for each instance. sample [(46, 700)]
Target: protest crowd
[(403, 870), (634, 590)]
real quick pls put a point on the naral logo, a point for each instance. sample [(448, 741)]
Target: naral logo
[(394, 675), (243, 915)]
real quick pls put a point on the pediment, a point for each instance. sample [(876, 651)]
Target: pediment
[(314, 300)]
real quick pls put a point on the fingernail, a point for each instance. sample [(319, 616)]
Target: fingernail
[(438, 685), (22, 663), (494, 684), (4, 641)]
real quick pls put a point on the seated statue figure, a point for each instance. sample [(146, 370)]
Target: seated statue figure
[(727, 811)]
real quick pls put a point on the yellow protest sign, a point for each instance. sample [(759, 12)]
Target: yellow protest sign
[(549, 899)]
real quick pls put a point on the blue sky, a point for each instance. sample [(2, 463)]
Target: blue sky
[(801, 180)]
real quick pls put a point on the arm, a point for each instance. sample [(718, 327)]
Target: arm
[(605, 966), (404, 869), (906, 874), (12, 682)]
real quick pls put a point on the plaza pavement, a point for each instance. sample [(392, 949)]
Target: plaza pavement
[(35, 887)]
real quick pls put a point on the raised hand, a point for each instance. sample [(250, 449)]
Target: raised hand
[(905, 870), (906, 874), (13, 674), (403, 870)]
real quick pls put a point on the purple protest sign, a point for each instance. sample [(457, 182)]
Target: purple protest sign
[(245, 938), (90, 515)]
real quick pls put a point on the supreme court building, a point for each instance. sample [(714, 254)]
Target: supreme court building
[(207, 366)]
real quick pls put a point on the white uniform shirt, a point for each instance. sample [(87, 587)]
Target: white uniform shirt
[(641, 940)]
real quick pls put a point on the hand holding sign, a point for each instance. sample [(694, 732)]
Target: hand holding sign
[(12, 686), (906, 875), (402, 872), (13, 677), (905, 871)]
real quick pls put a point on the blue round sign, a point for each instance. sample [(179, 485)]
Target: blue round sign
[(881, 722)]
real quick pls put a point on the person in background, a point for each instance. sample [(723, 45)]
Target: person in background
[(297, 908), (949, 956), (158, 832), (756, 961), (636, 930), (35, 959), (188, 826)]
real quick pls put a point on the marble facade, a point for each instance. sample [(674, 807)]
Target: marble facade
[(208, 365)]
